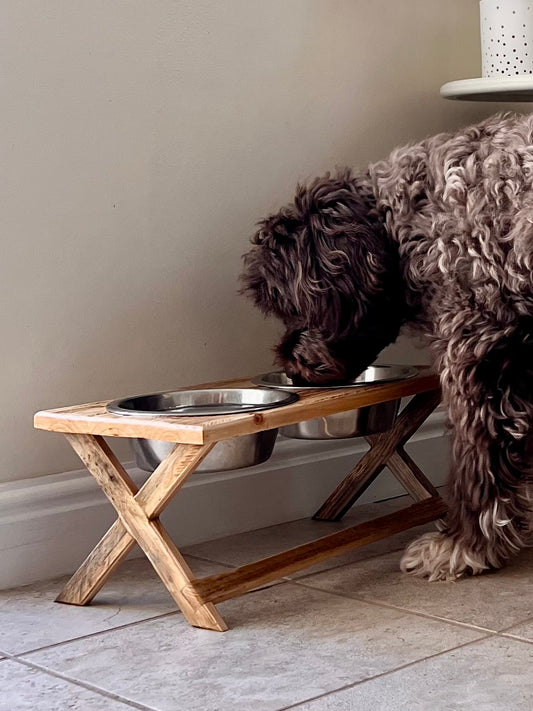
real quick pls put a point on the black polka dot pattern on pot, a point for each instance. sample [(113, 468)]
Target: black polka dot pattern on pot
[(506, 37)]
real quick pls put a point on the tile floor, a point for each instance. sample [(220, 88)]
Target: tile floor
[(351, 634)]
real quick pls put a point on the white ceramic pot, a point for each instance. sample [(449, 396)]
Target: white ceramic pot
[(506, 37)]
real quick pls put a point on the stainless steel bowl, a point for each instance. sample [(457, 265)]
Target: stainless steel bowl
[(234, 453), (352, 423), (373, 374), (211, 401)]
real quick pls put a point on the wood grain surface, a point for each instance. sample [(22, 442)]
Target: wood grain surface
[(138, 509), (93, 418), (137, 525), (224, 586), (384, 447)]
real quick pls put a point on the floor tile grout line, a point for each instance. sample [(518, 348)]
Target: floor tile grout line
[(133, 704), (202, 559), (385, 673), (528, 620), (389, 606), (177, 611), (82, 684), (515, 638), (295, 581), (92, 634), (506, 633), (292, 581)]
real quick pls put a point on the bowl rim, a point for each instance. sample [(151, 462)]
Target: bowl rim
[(117, 407), (407, 371)]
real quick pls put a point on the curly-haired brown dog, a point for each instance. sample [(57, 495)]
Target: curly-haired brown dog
[(440, 237)]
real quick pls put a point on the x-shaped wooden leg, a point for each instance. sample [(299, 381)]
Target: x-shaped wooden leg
[(386, 449), (139, 510), (138, 522)]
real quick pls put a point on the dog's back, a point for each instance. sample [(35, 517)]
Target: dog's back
[(460, 206)]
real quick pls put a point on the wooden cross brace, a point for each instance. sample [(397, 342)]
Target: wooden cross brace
[(386, 449), (139, 509)]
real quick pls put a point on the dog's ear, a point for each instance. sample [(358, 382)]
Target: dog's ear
[(344, 225), (266, 267), (256, 282), (269, 267), (346, 256), (331, 202), (323, 257)]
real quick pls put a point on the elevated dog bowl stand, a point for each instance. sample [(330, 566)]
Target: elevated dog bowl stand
[(139, 509)]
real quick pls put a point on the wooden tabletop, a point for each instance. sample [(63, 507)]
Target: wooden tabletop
[(93, 418)]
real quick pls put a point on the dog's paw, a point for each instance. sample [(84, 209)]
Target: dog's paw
[(437, 556)]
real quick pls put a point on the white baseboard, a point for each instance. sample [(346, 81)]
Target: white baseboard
[(49, 524)]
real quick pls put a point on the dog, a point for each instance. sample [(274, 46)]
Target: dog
[(437, 238)]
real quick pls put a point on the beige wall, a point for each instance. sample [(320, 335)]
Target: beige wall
[(141, 141)]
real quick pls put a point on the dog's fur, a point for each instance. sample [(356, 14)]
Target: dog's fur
[(439, 237)]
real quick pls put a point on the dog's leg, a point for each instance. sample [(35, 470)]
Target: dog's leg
[(490, 407)]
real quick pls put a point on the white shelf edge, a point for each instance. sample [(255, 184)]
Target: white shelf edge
[(517, 88)]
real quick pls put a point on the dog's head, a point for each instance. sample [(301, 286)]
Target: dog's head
[(326, 267)]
